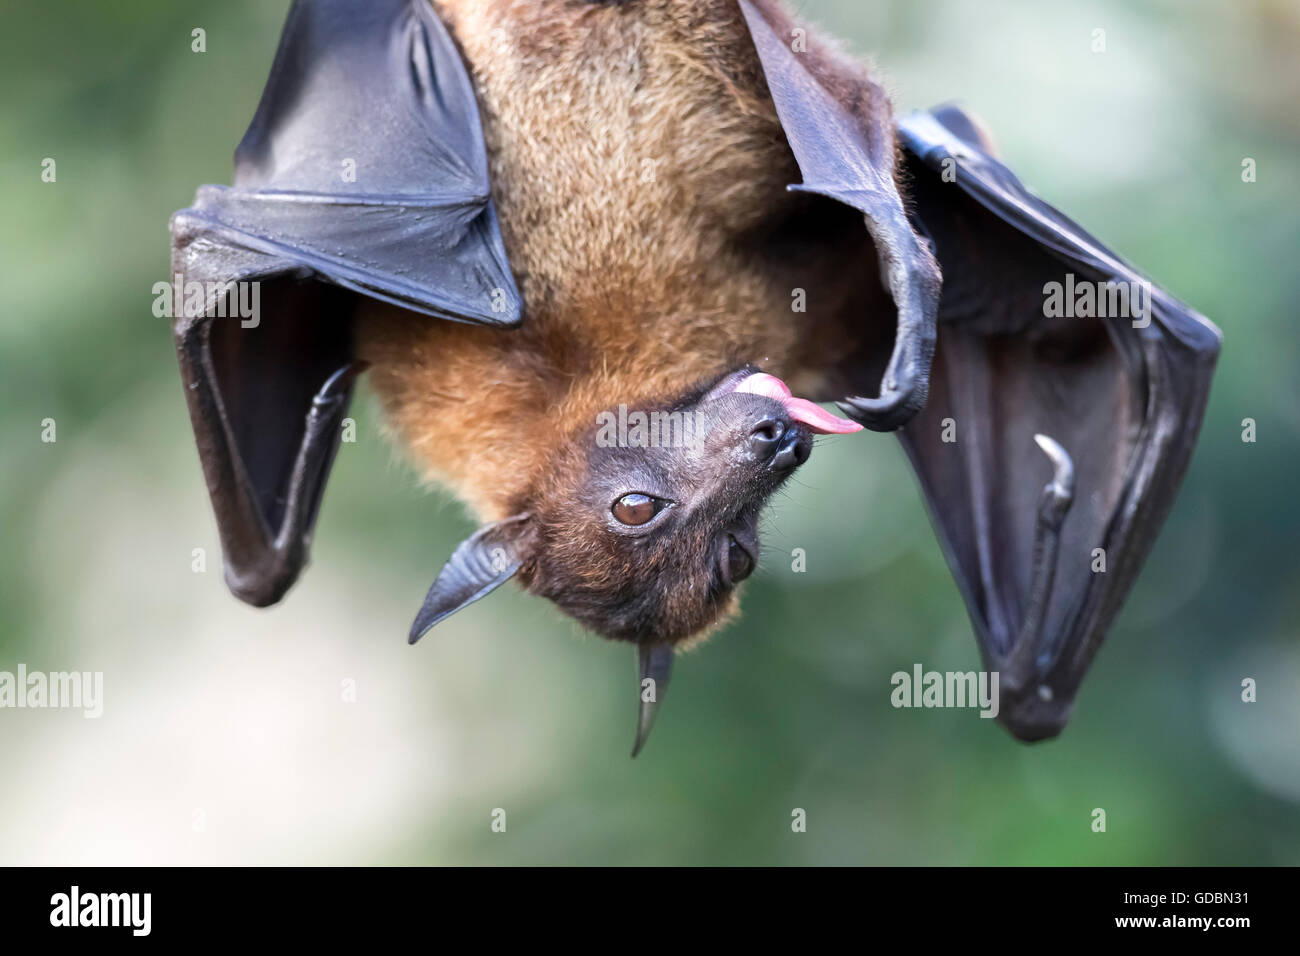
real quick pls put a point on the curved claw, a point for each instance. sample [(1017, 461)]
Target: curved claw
[(906, 385), (654, 664), (891, 411), (1059, 494), (339, 383), (912, 277)]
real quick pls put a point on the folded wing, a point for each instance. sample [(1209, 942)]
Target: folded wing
[(363, 172), (1049, 441), (1065, 399)]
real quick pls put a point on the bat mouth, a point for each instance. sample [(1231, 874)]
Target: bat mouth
[(810, 415)]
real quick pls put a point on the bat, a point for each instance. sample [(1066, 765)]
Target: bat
[(604, 260)]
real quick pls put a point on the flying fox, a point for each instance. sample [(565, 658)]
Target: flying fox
[(519, 218)]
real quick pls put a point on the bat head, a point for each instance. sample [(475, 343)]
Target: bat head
[(647, 521)]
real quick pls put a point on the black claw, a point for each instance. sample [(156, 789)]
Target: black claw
[(888, 413), (1058, 495), (338, 384)]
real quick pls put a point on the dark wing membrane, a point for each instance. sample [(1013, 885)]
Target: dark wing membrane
[(364, 171), (1044, 547)]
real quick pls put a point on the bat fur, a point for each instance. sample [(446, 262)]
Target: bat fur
[(639, 168)]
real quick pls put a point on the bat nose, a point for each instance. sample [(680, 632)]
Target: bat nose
[(793, 449), (779, 444), (765, 437)]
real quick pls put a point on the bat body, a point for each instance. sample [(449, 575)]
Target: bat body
[(639, 172), (565, 217)]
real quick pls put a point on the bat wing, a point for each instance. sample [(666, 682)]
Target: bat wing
[(984, 373), (846, 152), (1044, 547), (363, 173)]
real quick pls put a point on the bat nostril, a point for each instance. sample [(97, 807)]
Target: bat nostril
[(792, 451), (765, 437)]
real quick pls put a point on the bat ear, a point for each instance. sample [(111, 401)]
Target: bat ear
[(654, 667), (482, 563)]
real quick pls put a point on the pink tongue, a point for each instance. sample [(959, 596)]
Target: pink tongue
[(815, 417)]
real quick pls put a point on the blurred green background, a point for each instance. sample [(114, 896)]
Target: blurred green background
[(225, 737)]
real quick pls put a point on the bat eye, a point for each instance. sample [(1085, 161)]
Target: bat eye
[(636, 508)]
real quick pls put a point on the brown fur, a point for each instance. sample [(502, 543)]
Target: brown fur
[(639, 171)]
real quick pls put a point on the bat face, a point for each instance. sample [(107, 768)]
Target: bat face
[(651, 518)]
